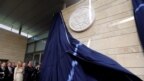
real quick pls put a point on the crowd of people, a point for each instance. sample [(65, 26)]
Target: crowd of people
[(20, 71)]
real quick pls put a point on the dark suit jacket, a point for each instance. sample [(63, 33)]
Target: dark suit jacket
[(10, 74), (29, 74), (5, 78)]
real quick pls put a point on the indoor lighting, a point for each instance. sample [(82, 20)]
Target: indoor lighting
[(5, 27), (15, 30)]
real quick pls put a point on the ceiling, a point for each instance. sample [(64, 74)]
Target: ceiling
[(33, 16)]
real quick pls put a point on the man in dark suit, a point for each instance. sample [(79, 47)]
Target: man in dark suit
[(10, 71), (25, 74), (37, 72), (29, 72), (3, 72)]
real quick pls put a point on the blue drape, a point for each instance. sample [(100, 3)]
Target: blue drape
[(67, 59), (138, 9)]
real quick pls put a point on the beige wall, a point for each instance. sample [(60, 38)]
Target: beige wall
[(111, 34), (12, 46)]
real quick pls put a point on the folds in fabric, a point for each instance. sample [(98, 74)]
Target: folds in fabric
[(138, 9), (67, 59)]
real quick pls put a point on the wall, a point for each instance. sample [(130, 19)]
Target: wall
[(113, 33), (12, 46)]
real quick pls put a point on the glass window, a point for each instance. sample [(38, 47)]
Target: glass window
[(45, 35), (28, 57), (30, 48), (42, 54), (40, 45), (36, 59), (30, 40), (38, 37)]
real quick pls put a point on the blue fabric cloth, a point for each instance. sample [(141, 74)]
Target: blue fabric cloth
[(67, 59), (138, 8)]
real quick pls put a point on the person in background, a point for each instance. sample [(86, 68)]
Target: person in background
[(24, 74), (24, 64), (10, 71), (18, 72), (37, 72), (13, 64), (3, 72), (0, 63), (29, 72)]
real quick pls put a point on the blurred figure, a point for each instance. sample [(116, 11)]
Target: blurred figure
[(3, 72), (29, 72), (10, 71), (24, 74), (18, 72), (0, 63), (37, 73), (38, 67), (13, 64), (24, 65)]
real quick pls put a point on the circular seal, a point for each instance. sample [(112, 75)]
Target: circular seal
[(82, 18)]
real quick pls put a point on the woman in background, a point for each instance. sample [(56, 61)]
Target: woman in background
[(18, 72)]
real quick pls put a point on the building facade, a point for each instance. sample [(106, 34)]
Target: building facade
[(12, 46), (113, 33)]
